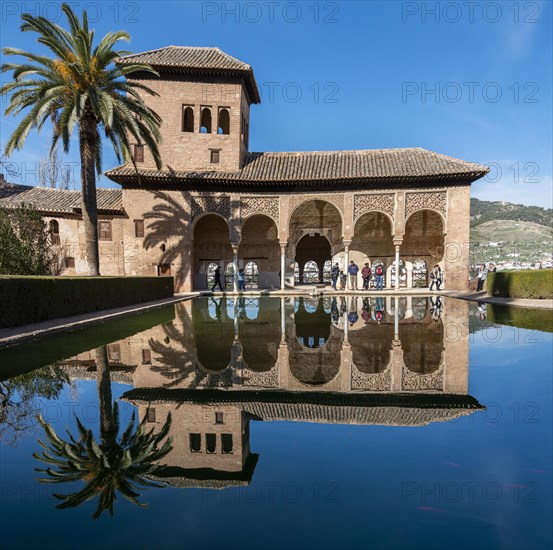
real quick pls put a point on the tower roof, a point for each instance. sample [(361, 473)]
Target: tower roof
[(195, 60)]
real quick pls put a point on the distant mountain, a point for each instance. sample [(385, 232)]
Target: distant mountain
[(486, 211)]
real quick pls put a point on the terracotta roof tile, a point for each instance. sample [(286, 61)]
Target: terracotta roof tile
[(196, 60), (384, 167), (44, 199)]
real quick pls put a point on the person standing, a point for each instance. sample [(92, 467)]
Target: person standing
[(217, 275), (379, 275), (335, 274), (479, 277), (343, 279), (482, 278), (436, 277), (241, 280), (353, 269), (366, 275)]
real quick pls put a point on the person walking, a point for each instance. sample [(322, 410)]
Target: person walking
[(217, 275), (241, 280), (379, 275), (335, 274), (353, 269), (366, 275), (436, 277)]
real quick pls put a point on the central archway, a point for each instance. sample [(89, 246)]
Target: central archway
[(315, 232), (312, 248)]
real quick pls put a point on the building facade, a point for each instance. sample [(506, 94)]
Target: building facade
[(284, 217)]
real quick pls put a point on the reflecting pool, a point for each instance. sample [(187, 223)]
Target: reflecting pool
[(383, 422)]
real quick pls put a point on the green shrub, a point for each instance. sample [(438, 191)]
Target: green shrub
[(34, 299), (521, 317), (521, 284)]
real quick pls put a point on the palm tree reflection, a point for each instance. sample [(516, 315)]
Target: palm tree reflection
[(117, 463)]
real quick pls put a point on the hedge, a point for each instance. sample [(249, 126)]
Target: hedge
[(521, 284), (521, 317), (25, 300)]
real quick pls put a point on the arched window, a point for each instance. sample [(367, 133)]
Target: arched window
[(229, 275), (326, 271), (402, 274), (251, 275), (211, 274), (420, 273), (311, 272), (55, 231), (296, 272), (188, 119), (205, 121), (223, 126)]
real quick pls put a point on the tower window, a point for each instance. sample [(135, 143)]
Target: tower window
[(187, 119), (205, 121), (196, 443), (214, 156), (226, 443), (223, 127), (146, 356), (219, 418), (139, 153), (210, 443)]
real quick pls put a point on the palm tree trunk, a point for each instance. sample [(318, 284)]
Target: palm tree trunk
[(103, 384), (87, 142)]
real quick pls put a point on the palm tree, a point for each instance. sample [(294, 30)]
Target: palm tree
[(118, 463), (80, 86)]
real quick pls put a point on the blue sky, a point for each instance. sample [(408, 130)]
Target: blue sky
[(471, 80)]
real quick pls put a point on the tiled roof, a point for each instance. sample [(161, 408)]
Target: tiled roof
[(392, 409), (196, 60), (369, 168), (47, 200)]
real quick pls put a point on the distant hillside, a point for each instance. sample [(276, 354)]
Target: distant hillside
[(511, 232), (485, 211)]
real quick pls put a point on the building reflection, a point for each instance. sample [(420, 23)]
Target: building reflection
[(222, 363)]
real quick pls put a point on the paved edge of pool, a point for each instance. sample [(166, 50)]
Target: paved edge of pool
[(481, 296), (13, 336)]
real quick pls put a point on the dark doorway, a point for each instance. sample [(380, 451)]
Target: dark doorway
[(312, 248)]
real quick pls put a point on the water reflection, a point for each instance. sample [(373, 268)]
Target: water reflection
[(118, 463), (222, 363)]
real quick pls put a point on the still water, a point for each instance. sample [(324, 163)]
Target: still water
[(282, 423)]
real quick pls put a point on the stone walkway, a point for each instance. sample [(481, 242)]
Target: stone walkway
[(17, 335), (482, 296)]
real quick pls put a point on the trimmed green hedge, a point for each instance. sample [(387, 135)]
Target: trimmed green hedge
[(521, 284), (521, 317), (27, 300)]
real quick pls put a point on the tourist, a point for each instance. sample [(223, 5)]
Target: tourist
[(366, 275), (366, 312), (334, 313), (343, 280), (436, 277), (482, 276), (493, 269), (353, 269), (217, 276), (436, 307), (353, 317), (241, 280), (482, 310), (379, 310), (379, 275), (335, 274)]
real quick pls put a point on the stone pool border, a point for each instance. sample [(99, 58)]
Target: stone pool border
[(18, 335), (482, 296)]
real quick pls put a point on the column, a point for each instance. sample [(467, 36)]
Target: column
[(346, 262), (396, 318), (397, 267), (282, 266), (283, 319), (235, 267)]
